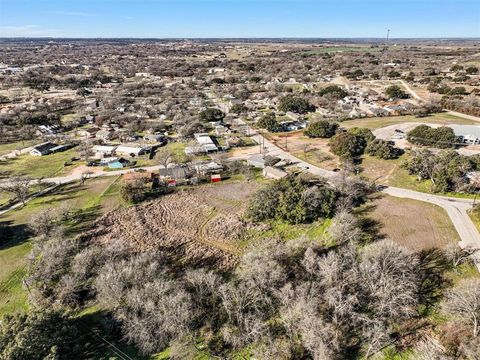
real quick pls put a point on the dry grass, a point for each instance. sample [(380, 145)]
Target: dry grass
[(315, 151), (414, 224), (202, 226)]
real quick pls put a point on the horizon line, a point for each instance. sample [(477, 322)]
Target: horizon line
[(239, 37)]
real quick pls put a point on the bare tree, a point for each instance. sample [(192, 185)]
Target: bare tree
[(44, 222), (457, 255), (18, 186), (430, 349), (85, 175), (463, 301), (345, 228), (164, 157), (85, 151)]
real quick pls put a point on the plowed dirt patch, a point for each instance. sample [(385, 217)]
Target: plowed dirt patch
[(200, 226)]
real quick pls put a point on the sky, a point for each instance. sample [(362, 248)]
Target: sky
[(239, 18)]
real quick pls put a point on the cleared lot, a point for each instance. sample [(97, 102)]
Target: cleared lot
[(414, 224), (200, 226)]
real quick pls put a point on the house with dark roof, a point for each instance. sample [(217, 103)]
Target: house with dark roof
[(43, 149)]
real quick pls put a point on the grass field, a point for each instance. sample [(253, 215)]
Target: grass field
[(94, 197), (333, 49), (414, 224), (39, 166), (379, 122), (8, 148)]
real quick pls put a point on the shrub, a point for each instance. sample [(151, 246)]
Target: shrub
[(382, 149), (268, 122), (321, 129), (442, 137), (347, 145), (133, 192), (295, 104), (292, 199), (333, 91), (212, 114), (395, 92), (364, 133)]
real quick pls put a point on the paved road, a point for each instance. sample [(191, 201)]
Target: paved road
[(456, 208), (69, 178)]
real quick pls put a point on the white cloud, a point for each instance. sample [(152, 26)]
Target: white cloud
[(27, 31), (70, 13)]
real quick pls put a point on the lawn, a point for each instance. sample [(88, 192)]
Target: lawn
[(39, 166), (380, 122), (8, 148), (285, 231), (390, 172), (94, 197), (414, 224)]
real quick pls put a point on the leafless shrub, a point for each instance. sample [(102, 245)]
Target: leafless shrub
[(463, 301)]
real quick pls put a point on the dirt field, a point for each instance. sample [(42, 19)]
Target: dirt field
[(199, 227), (314, 151), (414, 224)]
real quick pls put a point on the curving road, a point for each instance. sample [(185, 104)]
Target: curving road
[(456, 208)]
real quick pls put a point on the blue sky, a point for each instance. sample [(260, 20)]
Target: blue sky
[(240, 18)]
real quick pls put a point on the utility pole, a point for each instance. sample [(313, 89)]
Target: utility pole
[(286, 142), (384, 55)]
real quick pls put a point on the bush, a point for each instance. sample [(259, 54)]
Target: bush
[(383, 149), (442, 137), (38, 335), (268, 122), (293, 199), (238, 109), (212, 114), (295, 104), (333, 91), (321, 129), (460, 90), (133, 192), (364, 133), (395, 92), (471, 70), (347, 145)]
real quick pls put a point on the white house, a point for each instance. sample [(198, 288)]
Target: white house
[(130, 150)]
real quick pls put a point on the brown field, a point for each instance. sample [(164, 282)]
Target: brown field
[(414, 224), (315, 151), (202, 226)]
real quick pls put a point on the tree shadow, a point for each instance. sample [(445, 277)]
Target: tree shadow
[(83, 219), (101, 337), (431, 269), (371, 228), (12, 234)]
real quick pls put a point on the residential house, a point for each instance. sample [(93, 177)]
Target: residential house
[(104, 150), (209, 168), (131, 150), (105, 134), (205, 145), (176, 172), (256, 161), (87, 133), (43, 149)]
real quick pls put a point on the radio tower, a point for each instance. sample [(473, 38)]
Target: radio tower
[(384, 55)]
